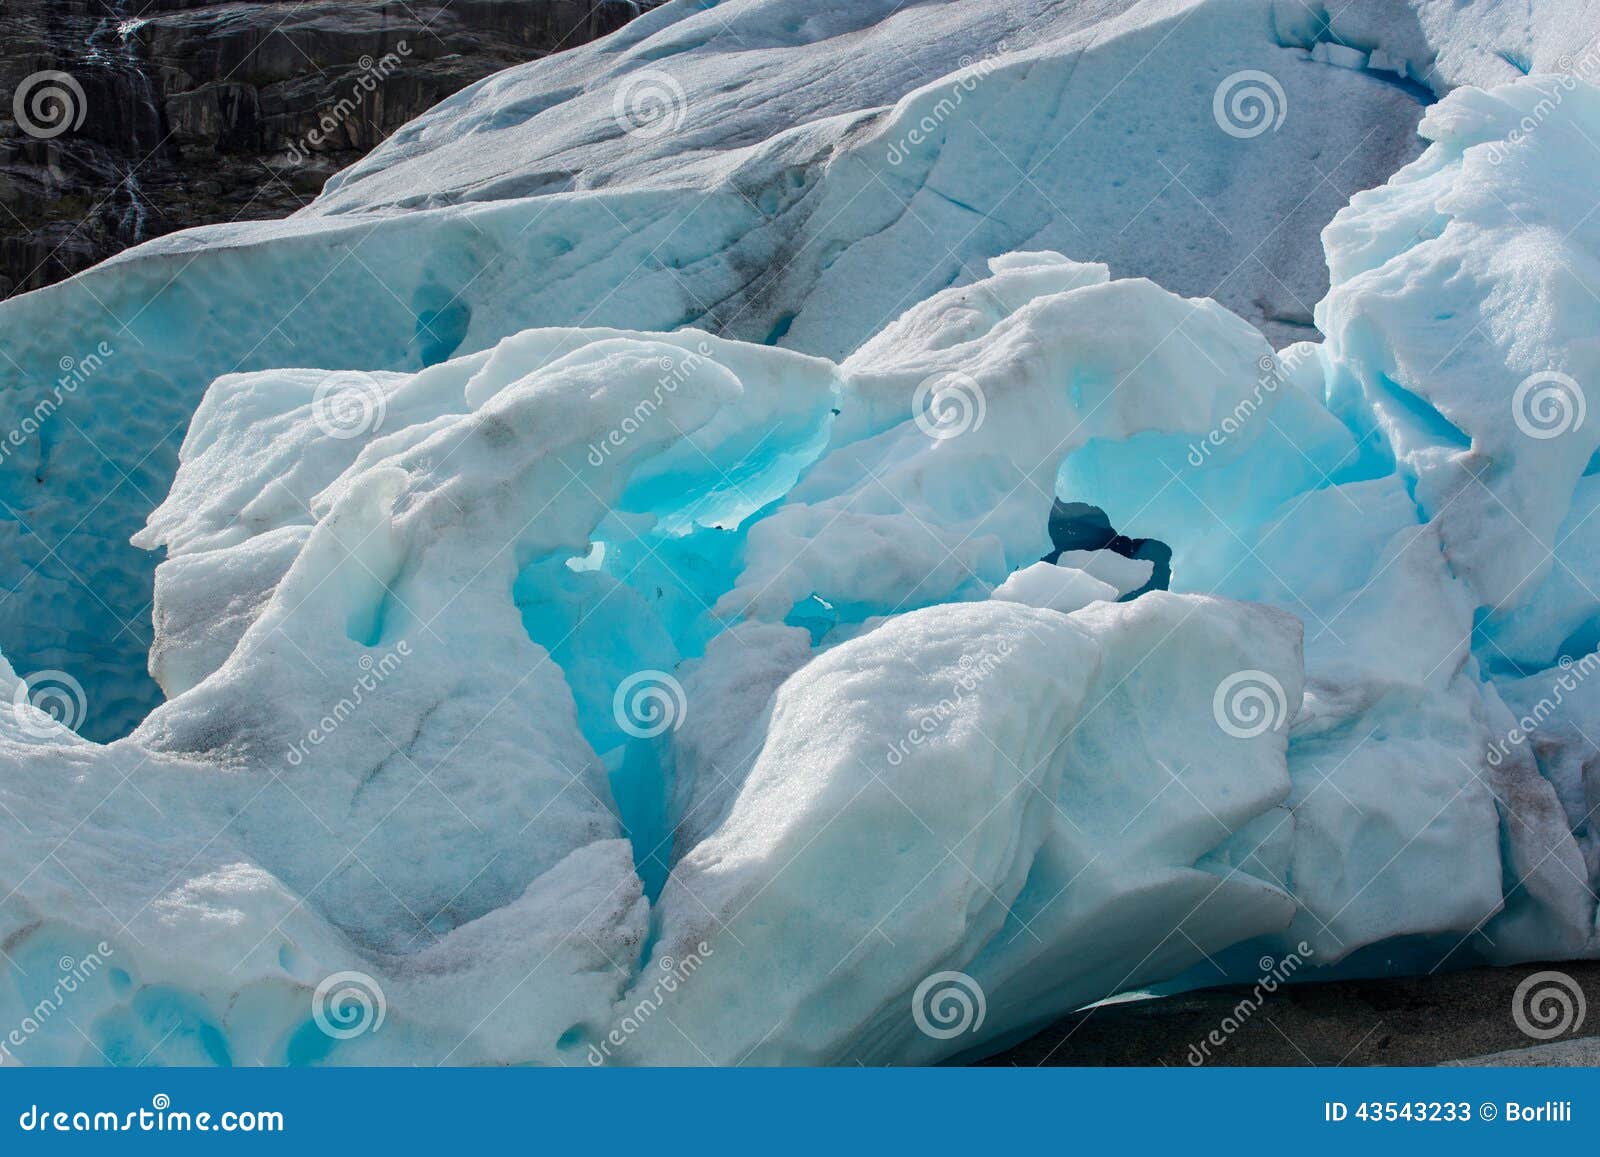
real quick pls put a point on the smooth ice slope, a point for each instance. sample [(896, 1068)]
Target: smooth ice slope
[(779, 171)]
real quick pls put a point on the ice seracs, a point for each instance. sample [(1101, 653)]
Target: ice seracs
[(399, 757), (654, 696), (692, 170), (985, 788)]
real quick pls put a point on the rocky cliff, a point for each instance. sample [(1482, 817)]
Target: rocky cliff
[(126, 119)]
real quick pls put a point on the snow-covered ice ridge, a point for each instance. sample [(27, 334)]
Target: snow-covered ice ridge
[(797, 172), (624, 697)]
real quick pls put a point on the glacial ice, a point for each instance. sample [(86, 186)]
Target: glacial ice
[(655, 695), (1055, 588), (776, 209)]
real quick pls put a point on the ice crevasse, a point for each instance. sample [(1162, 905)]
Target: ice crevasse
[(659, 697)]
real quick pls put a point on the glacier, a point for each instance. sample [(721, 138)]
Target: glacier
[(780, 209), (865, 661)]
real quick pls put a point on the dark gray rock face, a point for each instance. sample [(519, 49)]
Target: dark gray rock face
[(126, 119)]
